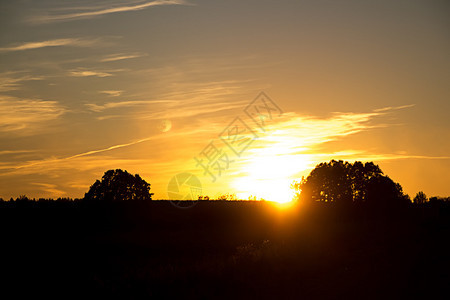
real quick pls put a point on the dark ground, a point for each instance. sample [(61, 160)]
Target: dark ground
[(221, 249)]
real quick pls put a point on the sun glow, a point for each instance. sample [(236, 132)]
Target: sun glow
[(271, 190), (269, 171)]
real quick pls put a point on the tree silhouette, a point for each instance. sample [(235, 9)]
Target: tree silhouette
[(383, 191), (227, 196), (420, 198), (117, 185), (344, 182)]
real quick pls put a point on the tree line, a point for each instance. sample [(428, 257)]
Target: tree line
[(336, 182)]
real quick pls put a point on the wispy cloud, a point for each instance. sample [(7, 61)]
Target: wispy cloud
[(112, 93), (294, 139), (12, 81), (121, 104), (88, 73), (306, 132), (49, 188), (27, 114), (188, 100), (121, 56), (366, 156), (83, 72), (8, 152), (105, 156), (92, 12), (293, 144), (390, 108), (77, 42)]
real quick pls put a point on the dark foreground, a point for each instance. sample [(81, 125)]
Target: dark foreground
[(223, 250)]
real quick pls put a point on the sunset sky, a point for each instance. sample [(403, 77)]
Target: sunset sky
[(153, 86)]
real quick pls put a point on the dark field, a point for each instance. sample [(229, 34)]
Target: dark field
[(220, 249)]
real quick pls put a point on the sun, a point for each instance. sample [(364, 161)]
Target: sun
[(278, 191), (268, 175)]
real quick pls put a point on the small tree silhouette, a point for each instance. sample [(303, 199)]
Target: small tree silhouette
[(117, 185), (227, 196), (420, 198)]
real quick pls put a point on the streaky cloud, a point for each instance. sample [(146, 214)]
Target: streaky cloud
[(97, 12), (88, 73), (83, 72), (49, 188), (121, 104), (27, 115), (77, 42), (9, 81), (354, 155), (112, 93), (389, 108), (8, 152), (121, 56)]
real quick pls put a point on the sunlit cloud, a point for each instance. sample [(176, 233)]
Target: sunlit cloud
[(121, 56), (189, 111), (122, 104), (56, 160), (295, 143), (8, 152), (88, 73), (106, 156), (92, 12), (27, 114), (82, 72), (390, 108), (182, 110), (12, 81), (77, 42), (112, 93), (186, 100), (49, 188)]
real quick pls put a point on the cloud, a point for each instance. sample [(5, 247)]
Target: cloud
[(187, 100), (9, 81), (77, 42), (49, 188), (8, 152), (389, 108), (27, 114), (92, 12), (171, 109), (295, 142), (88, 73), (308, 131), (121, 104), (109, 148), (112, 93), (38, 164), (83, 72), (106, 157), (121, 56)]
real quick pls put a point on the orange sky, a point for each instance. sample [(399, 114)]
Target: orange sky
[(146, 86)]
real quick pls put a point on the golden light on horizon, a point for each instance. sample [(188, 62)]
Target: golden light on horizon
[(269, 172)]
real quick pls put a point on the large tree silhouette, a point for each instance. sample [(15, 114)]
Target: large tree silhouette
[(117, 185), (344, 182)]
